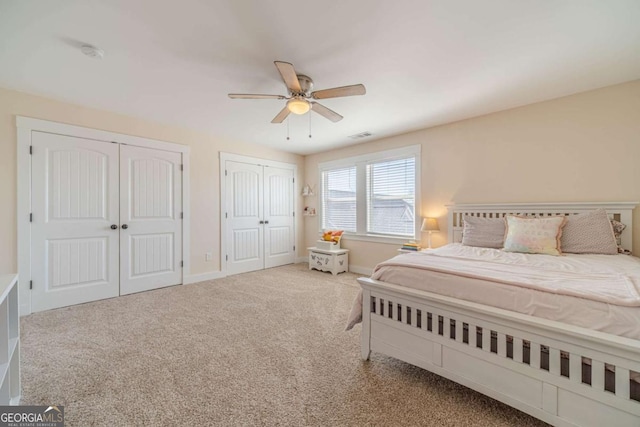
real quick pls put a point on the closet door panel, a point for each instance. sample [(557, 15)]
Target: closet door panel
[(244, 217), (74, 249), (150, 216), (279, 217)]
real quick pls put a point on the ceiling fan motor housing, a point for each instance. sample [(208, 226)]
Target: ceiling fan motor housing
[(306, 84)]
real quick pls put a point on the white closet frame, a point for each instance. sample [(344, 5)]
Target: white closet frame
[(223, 198), (26, 126)]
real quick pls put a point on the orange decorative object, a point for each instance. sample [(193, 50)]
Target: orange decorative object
[(332, 236)]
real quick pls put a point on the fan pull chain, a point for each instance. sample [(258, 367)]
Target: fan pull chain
[(309, 113), (287, 128)]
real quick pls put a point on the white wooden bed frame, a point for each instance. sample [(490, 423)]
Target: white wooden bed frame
[(547, 394)]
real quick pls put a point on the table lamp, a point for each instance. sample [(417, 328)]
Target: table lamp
[(430, 225)]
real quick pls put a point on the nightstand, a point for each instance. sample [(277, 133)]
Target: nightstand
[(325, 260)]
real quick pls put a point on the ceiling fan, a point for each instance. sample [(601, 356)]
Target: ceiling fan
[(300, 94)]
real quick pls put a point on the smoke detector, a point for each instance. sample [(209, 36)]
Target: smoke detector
[(92, 51), (360, 135)]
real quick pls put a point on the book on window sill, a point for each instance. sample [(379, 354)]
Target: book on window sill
[(411, 247)]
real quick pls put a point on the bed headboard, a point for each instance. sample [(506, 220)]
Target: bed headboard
[(621, 211)]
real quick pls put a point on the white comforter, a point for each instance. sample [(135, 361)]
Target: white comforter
[(599, 292), (606, 278)]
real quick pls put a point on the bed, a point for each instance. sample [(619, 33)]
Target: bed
[(562, 372)]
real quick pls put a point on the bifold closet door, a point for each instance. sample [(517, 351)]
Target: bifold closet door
[(75, 228), (106, 220), (150, 217), (259, 217)]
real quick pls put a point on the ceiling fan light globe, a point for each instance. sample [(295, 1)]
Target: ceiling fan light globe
[(298, 106)]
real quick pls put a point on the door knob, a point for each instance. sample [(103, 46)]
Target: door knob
[(261, 222), (114, 227), (125, 226), (266, 222)]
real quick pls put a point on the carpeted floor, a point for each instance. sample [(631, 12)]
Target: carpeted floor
[(263, 348)]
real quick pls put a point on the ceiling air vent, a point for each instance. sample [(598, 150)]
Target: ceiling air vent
[(360, 135)]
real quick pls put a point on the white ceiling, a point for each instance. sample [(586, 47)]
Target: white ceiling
[(423, 62)]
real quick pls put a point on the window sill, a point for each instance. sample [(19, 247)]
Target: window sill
[(376, 239)]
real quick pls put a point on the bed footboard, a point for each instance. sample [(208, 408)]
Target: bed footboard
[(561, 374)]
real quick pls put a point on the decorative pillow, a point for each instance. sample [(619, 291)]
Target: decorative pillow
[(618, 228), (534, 235), (589, 233), (483, 232)]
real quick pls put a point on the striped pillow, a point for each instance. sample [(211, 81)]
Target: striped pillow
[(483, 232)]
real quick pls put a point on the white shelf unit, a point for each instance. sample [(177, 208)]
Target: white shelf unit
[(9, 341), (310, 193)]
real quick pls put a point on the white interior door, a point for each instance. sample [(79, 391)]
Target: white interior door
[(279, 217), (74, 250), (150, 217), (244, 217)]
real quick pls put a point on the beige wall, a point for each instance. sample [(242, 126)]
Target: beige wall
[(205, 182), (584, 147)]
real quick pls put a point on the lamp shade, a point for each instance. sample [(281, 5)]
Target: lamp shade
[(430, 224), (298, 105)]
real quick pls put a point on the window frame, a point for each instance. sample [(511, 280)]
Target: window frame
[(361, 162)]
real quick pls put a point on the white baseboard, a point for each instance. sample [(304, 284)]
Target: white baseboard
[(367, 271), (302, 259), (202, 277)]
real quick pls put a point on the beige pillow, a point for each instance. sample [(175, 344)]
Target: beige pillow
[(589, 233), (534, 235), (483, 232)]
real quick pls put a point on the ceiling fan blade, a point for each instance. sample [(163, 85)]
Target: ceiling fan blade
[(254, 96), (289, 76), (283, 114), (339, 91), (326, 112)]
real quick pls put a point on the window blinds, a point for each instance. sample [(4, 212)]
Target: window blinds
[(391, 197), (339, 199)]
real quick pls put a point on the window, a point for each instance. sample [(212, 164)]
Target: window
[(372, 196), (391, 188), (339, 199)]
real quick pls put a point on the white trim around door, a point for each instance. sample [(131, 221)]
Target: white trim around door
[(25, 127)]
